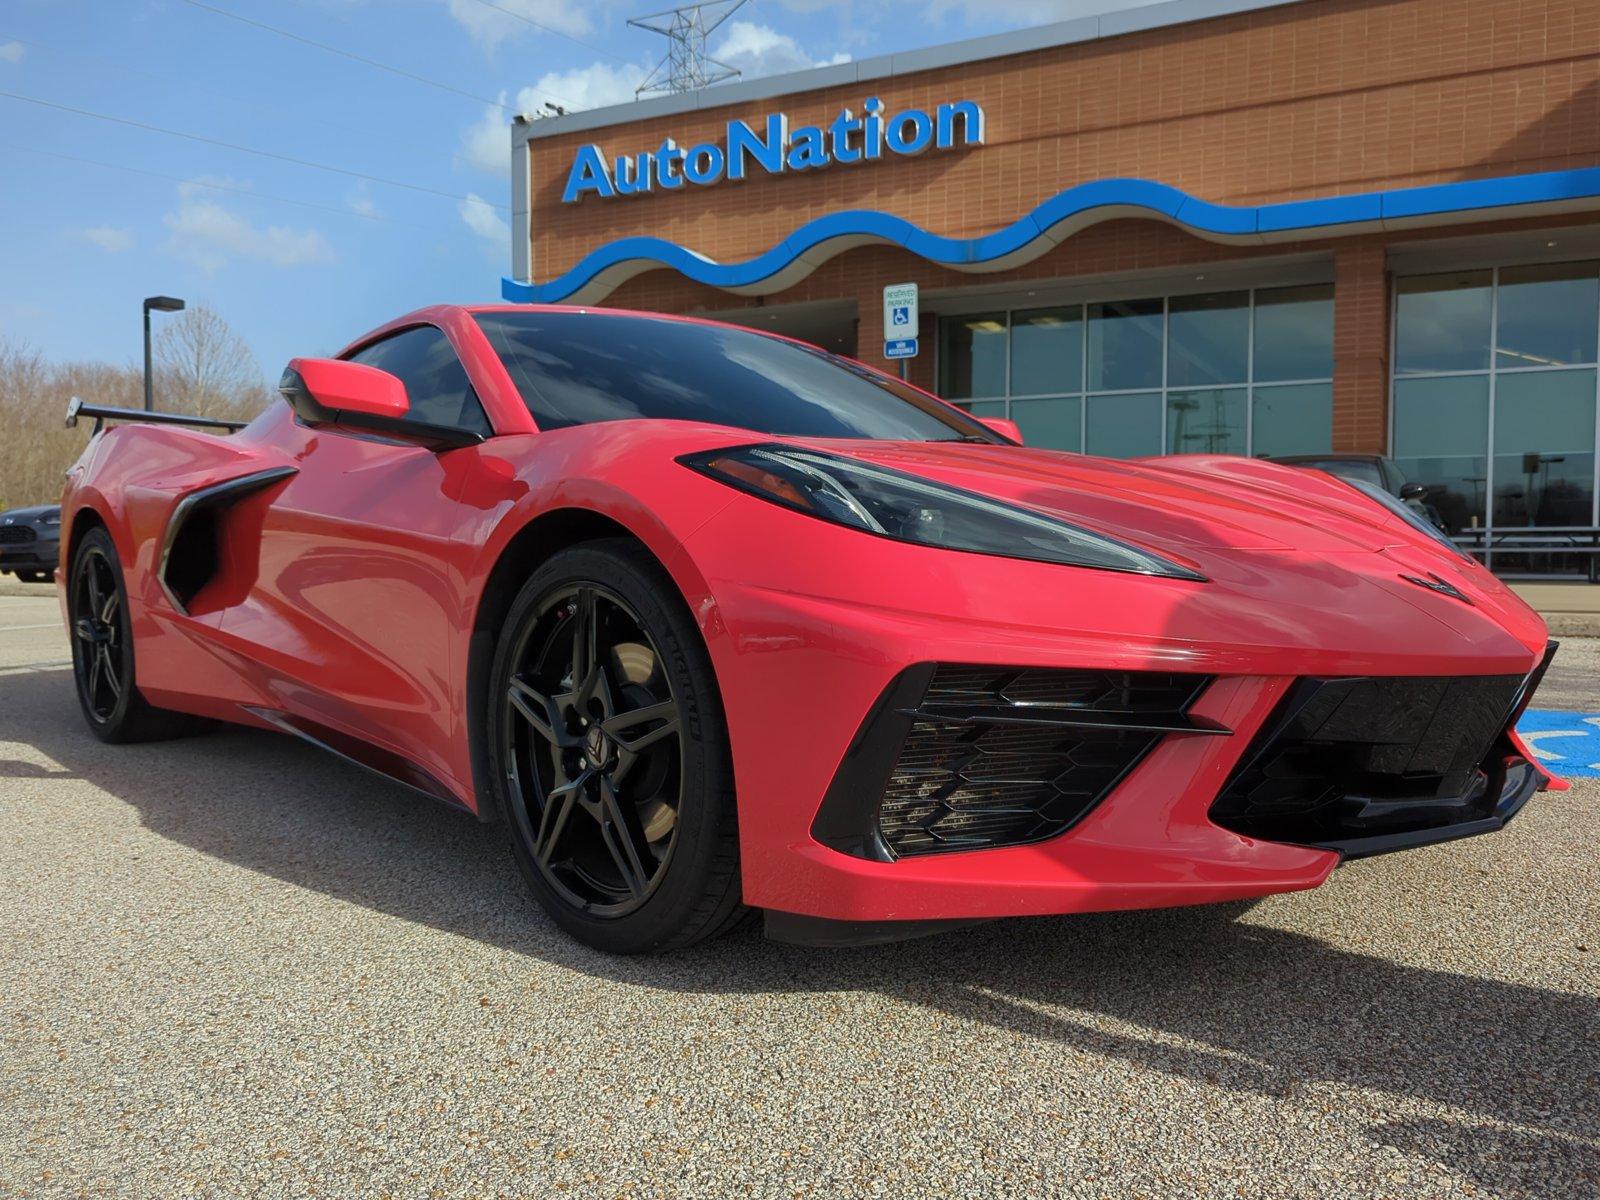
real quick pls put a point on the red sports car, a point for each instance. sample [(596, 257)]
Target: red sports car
[(710, 621)]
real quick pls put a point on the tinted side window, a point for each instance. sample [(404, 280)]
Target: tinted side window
[(436, 382)]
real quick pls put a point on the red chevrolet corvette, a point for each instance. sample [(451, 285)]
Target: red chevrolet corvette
[(710, 621)]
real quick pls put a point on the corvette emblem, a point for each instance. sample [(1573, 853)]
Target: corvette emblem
[(1434, 584)]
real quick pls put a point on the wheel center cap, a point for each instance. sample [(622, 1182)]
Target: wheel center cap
[(595, 744)]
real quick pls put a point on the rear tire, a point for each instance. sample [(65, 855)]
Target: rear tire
[(30, 577), (608, 744), (102, 652)]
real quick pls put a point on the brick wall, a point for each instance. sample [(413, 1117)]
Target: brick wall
[(1321, 98), (1360, 347)]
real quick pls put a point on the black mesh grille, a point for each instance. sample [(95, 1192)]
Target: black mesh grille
[(958, 757), (960, 786), (1344, 758), (17, 535)]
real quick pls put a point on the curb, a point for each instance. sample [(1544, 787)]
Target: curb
[(1572, 625)]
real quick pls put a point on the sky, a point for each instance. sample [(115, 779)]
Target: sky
[(98, 209)]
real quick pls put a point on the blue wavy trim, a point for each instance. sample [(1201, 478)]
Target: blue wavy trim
[(1084, 203)]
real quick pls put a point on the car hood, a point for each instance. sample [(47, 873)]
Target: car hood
[(1252, 527), (31, 515), (1184, 504)]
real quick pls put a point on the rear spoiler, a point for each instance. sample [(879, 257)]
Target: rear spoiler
[(77, 408)]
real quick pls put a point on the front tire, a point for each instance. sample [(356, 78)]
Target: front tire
[(609, 747), (102, 651)]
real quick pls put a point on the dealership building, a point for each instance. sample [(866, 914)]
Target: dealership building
[(1224, 226)]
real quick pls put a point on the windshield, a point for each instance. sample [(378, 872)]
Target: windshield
[(1348, 468), (574, 369)]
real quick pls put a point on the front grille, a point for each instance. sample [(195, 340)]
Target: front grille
[(959, 757), (17, 535), (1344, 759), (972, 785)]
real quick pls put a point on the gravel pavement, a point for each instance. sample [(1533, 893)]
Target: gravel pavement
[(231, 966)]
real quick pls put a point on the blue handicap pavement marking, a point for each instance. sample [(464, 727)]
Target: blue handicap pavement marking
[(1567, 743)]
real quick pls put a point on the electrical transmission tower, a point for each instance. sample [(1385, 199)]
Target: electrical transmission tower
[(687, 67)]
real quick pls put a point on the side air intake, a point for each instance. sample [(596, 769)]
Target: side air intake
[(191, 551)]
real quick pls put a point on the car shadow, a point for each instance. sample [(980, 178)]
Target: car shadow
[(1194, 993)]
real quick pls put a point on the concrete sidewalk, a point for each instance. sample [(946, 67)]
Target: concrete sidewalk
[(1570, 609)]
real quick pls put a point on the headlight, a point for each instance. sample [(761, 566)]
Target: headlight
[(1407, 514), (50, 520), (892, 504)]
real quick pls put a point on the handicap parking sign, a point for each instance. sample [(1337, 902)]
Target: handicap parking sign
[(900, 318)]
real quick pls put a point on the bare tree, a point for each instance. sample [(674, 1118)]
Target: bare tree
[(203, 367)]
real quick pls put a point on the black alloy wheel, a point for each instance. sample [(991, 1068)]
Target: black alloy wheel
[(620, 816), (595, 750), (102, 651), (97, 628)]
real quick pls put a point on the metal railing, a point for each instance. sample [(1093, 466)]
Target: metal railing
[(1487, 542)]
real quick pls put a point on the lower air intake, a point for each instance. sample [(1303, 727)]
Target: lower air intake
[(1365, 764), (959, 757)]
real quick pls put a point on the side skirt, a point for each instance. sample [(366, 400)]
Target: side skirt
[(376, 759)]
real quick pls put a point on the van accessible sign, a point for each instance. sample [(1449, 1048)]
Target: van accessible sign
[(776, 149)]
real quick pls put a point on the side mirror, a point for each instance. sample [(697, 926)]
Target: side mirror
[(1004, 426), (347, 395), (1413, 491)]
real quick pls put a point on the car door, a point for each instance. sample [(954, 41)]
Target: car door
[(360, 612)]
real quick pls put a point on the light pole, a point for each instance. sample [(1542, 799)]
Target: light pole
[(161, 304)]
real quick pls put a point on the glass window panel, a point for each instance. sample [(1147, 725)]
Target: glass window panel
[(1544, 442), (1293, 419), (1548, 315), (1053, 424), (1442, 323), (972, 356), (1124, 426), (1206, 422), (1208, 339), (1441, 434), (436, 383), (1047, 351), (985, 408), (1125, 345), (1294, 333)]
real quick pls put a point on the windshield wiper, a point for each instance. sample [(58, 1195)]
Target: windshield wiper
[(968, 437)]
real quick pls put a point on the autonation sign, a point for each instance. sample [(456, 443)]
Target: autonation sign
[(776, 149)]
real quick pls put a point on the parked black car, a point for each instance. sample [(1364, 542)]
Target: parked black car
[(30, 542), (1375, 469)]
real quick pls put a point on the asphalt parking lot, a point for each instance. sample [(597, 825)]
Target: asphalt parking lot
[(231, 966)]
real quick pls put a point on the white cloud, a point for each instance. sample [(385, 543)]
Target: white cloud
[(487, 143), (489, 26), (108, 238), (484, 221), (594, 86), (210, 235), (761, 50), (11, 51), (361, 202)]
